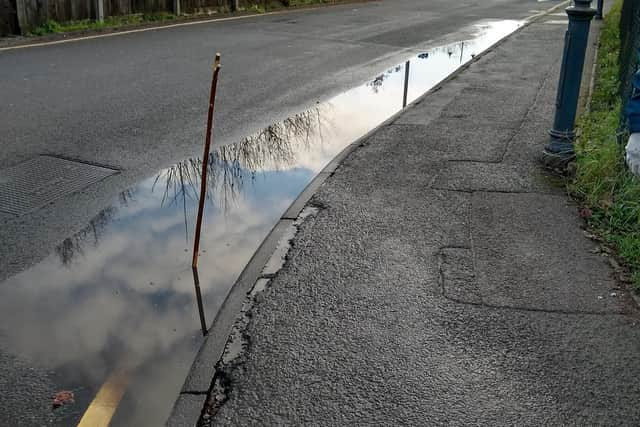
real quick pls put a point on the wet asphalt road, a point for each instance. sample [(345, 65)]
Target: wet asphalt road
[(137, 101)]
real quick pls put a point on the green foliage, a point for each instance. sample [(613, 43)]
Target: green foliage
[(296, 3), (158, 17), (259, 6), (255, 8), (602, 182), (47, 28), (51, 27)]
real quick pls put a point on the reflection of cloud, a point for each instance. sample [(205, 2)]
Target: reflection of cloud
[(296, 142), (125, 289), (148, 392), (126, 295), (121, 290)]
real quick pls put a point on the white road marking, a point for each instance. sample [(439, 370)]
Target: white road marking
[(143, 30)]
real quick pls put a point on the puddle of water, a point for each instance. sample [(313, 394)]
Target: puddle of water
[(120, 295)]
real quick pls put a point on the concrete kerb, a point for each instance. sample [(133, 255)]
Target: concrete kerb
[(201, 374), (212, 348), (202, 370), (186, 410)]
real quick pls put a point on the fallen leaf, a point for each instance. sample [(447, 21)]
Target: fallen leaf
[(62, 398)]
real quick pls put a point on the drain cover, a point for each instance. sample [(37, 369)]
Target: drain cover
[(39, 181)]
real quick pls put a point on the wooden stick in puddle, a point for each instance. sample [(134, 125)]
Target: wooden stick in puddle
[(205, 159), (196, 284)]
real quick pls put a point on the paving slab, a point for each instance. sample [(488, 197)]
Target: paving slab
[(526, 255)]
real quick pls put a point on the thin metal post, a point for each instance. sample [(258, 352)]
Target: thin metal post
[(575, 47), (406, 84), (176, 8), (205, 159), (600, 8)]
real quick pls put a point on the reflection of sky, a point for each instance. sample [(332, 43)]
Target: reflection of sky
[(124, 295)]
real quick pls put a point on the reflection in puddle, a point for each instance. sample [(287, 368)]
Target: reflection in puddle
[(198, 293), (121, 293)]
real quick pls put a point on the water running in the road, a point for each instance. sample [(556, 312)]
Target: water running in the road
[(120, 296)]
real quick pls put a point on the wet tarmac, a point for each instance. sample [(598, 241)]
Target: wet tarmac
[(119, 298)]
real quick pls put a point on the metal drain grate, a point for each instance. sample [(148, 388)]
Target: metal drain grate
[(39, 181)]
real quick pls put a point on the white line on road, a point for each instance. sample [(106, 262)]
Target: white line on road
[(142, 30), (199, 22)]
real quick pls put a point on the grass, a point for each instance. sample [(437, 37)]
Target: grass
[(52, 27), (603, 184), (258, 6), (296, 3)]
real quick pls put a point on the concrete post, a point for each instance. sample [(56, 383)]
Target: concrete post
[(575, 47), (100, 10), (600, 9)]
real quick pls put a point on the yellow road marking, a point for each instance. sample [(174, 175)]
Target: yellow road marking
[(104, 405)]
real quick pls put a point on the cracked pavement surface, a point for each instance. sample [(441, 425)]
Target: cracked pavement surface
[(445, 279)]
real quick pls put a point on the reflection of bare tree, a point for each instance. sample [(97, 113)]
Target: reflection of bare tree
[(377, 82), (72, 246), (230, 166)]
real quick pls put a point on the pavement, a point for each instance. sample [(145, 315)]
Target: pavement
[(137, 101), (439, 276)]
